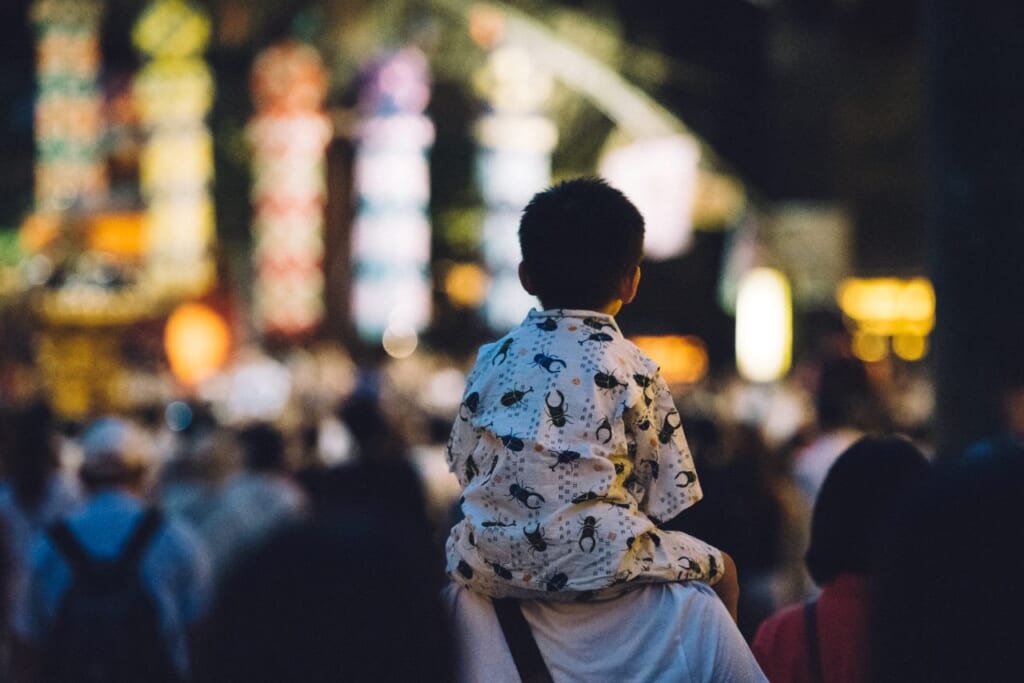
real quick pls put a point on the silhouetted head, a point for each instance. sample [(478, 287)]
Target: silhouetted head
[(948, 598), (856, 501), (342, 598), (263, 448), (115, 453), (29, 452), (579, 239)]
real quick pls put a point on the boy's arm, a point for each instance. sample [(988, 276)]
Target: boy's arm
[(663, 464)]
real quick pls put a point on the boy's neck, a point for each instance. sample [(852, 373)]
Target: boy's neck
[(612, 307)]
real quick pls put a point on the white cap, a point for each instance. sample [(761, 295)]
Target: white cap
[(112, 446)]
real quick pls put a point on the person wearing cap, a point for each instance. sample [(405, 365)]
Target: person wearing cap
[(174, 566)]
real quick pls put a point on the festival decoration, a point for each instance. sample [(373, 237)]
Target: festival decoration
[(513, 163), (288, 137), (173, 93), (391, 233), (888, 309), (197, 341), (70, 163), (764, 325)]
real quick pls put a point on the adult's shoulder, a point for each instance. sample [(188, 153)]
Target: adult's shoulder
[(660, 632)]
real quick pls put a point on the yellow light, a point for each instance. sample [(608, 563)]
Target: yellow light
[(197, 341), (764, 325), (869, 347), (466, 285), (117, 233), (910, 347), (683, 360)]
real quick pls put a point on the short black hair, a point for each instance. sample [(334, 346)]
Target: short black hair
[(263, 448), (855, 503), (579, 238)]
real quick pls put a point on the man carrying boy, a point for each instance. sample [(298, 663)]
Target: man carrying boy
[(568, 444)]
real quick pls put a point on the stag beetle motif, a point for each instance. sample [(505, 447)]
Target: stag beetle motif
[(605, 426), (597, 324), (599, 337), (556, 582), (549, 363), (510, 398), (470, 404), (644, 382), (501, 571), (564, 458), (667, 428), (556, 412), (528, 498), (689, 476), (653, 465), (607, 381), (588, 532), (502, 351), (549, 325), (535, 537)]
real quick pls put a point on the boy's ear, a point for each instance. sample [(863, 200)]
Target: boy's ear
[(628, 286), (524, 279)]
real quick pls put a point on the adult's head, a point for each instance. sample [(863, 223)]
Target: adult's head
[(339, 598), (115, 454), (855, 502), (949, 599), (29, 451), (579, 240), (263, 448), (844, 395)]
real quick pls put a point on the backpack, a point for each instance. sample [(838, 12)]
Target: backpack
[(107, 627)]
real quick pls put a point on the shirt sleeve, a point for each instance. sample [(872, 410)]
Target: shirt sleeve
[(662, 464)]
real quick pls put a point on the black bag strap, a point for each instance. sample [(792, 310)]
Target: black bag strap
[(84, 564), (813, 646), (525, 653)]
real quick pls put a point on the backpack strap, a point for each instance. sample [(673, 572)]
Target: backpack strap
[(521, 643), (82, 563), (143, 533), (64, 541), (813, 646)]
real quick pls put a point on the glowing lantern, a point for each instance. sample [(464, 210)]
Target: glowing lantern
[(391, 232), (660, 176), (288, 137), (197, 341), (70, 165), (764, 325), (173, 93), (882, 308), (513, 163), (683, 360)]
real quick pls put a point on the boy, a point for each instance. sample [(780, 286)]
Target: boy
[(567, 444)]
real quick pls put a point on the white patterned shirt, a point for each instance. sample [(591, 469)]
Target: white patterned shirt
[(569, 450)]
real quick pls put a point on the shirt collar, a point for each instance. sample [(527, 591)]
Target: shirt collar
[(595, 318)]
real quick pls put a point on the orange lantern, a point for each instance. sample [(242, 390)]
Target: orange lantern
[(197, 342)]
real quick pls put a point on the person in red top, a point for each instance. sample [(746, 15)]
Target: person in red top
[(854, 504)]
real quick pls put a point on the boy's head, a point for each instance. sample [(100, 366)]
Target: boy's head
[(582, 242)]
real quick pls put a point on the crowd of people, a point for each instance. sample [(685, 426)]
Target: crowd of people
[(603, 531)]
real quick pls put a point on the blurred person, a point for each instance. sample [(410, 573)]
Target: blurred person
[(254, 501), (827, 639), (949, 597), (341, 597), (114, 587), (843, 401), (742, 512), (33, 492), (6, 592), (568, 445), (189, 483)]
